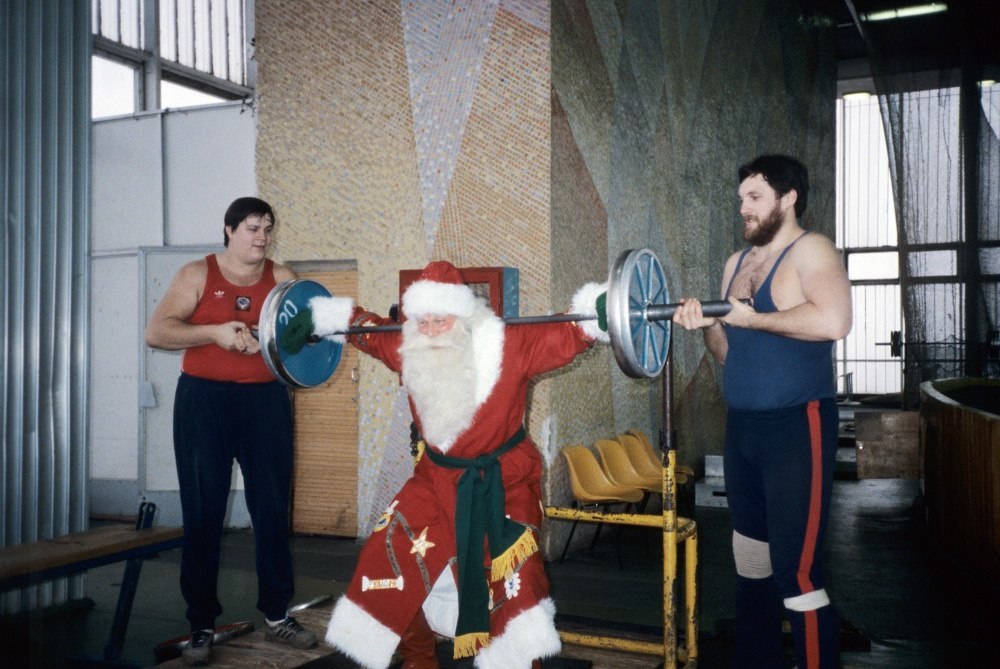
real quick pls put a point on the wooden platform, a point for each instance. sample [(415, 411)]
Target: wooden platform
[(254, 651)]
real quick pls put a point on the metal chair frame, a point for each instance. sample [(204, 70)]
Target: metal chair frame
[(593, 489)]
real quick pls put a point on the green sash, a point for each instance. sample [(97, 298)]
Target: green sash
[(479, 514)]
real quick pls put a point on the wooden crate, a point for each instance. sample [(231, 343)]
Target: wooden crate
[(888, 444)]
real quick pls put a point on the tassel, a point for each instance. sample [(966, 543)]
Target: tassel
[(468, 645), (513, 557)]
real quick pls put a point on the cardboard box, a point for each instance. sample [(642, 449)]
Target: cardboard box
[(711, 490), (888, 444)]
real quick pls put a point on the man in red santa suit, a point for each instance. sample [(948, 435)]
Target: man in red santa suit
[(457, 549)]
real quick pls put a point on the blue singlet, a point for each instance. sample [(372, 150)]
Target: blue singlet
[(769, 371)]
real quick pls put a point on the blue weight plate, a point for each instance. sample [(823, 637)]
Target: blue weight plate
[(640, 344), (316, 362)]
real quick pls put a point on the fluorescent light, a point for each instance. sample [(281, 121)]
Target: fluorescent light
[(987, 83), (856, 95), (906, 12)]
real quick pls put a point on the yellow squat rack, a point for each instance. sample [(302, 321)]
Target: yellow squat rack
[(675, 530)]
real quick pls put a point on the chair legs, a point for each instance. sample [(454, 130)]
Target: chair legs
[(572, 529), (605, 508)]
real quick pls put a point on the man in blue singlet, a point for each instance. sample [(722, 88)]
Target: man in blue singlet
[(781, 424)]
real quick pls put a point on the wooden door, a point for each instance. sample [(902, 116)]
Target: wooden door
[(325, 483)]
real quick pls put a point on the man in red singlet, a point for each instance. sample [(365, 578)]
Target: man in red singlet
[(229, 407)]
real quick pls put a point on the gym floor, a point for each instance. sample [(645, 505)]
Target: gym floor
[(904, 604)]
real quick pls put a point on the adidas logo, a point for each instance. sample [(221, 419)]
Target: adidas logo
[(220, 293)]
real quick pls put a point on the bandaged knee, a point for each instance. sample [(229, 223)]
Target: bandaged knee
[(753, 557)]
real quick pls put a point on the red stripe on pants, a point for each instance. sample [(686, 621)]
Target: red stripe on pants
[(812, 531)]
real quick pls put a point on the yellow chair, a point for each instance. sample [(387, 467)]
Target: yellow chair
[(645, 452), (638, 455), (592, 488), (682, 472), (619, 468)]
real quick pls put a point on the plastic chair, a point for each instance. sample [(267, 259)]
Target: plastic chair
[(682, 472), (639, 456), (645, 452), (619, 468), (592, 488)]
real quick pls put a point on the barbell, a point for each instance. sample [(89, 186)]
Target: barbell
[(638, 311)]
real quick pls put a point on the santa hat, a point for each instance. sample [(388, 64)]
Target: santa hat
[(439, 290)]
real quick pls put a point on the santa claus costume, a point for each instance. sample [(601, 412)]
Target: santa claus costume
[(459, 542)]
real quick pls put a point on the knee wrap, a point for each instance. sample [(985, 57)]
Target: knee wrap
[(753, 558), (809, 601)]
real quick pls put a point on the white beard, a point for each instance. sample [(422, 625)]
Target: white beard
[(440, 375)]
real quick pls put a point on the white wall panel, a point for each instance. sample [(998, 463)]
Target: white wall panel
[(209, 163), (127, 188), (113, 418), (161, 185)]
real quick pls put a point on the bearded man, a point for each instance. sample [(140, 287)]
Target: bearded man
[(781, 422), (456, 551)]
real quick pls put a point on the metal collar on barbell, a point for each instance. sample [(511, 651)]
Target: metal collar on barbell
[(638, 323)]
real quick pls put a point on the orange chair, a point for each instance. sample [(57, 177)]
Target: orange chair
[(592, 488)]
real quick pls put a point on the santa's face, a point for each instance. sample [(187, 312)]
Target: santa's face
[(439, 372), (434, 325)]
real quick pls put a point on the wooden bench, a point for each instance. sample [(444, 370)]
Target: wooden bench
[(29, 564)]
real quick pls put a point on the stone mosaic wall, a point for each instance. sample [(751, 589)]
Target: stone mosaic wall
[(546, 136), (655, 106), (394, 133)]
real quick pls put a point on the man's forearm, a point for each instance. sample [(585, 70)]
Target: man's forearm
[(716, 341)]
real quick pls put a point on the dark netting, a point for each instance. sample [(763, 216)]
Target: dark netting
[(942, 127)]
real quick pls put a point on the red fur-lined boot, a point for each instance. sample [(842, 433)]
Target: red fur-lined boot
[(418, 645)]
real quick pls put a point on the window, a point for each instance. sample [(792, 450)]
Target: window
[(114, 88), (940, 284), (190, 52), (866, 231)]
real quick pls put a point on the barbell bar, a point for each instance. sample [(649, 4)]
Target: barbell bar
[(638, 309)]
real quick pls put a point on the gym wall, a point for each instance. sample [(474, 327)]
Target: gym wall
[(546, 136)]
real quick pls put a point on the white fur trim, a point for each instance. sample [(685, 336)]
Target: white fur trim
[(487, 344), (331, 314), (531, 634), (585, 302), (441, 606), (444, 299), (358, 635)]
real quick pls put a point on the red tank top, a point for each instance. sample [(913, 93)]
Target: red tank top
[(222, 302)]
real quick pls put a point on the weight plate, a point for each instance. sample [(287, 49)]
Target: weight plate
[(316, 362), (640, 345)]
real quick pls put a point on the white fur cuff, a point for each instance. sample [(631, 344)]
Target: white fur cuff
[(358, 635), (585, 302), (331, 314), (529, 635)]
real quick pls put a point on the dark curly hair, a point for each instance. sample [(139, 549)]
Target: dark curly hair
[(783, 174)]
